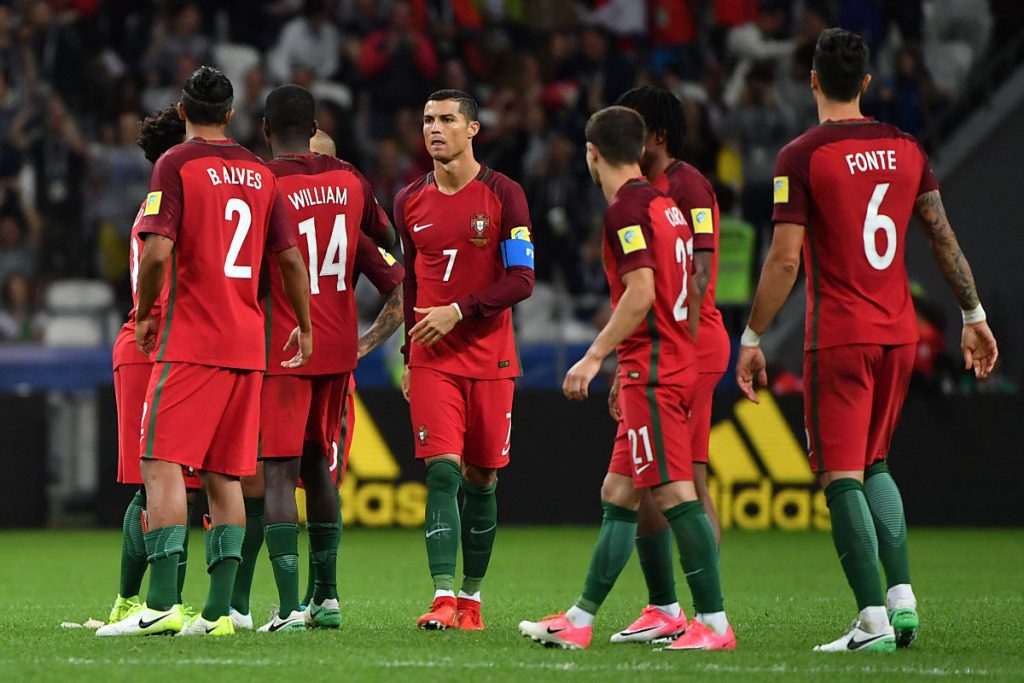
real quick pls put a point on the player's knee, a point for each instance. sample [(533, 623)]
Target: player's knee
[(673, 493), (618, 490), (281, 474), (444, 476), (484, 477)]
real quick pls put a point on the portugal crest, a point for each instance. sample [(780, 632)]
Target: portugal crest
[(479, 223)]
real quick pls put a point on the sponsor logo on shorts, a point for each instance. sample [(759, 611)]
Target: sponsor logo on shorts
[(422, 435)]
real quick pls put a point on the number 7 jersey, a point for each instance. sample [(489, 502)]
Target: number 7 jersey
[(853, 185)]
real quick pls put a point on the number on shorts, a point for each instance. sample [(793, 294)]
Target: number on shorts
[(634, 440)]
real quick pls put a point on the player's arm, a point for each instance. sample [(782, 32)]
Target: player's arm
[(778, 275), (386, 275), (152, 270), (631, 310), (375, 221), (295, 278), (409, 285), (977, 342)]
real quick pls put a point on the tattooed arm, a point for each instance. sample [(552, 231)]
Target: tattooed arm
[(977, 342), (388, 320), (945, 248)]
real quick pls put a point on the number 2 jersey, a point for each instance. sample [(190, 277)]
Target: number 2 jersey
[(214, 199), (643, 228), (328, 206), (853, 185), (472, 248)]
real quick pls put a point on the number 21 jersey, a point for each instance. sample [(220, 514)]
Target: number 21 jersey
[(852, 185), (214, 199)]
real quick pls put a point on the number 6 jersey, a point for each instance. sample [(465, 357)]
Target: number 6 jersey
[(214, 199), (852, 185)]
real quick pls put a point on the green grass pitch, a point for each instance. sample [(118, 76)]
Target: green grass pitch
[(784, 593)]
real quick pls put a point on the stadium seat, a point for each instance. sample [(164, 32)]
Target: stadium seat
[(235, 60), (80, 314), (74, 331)]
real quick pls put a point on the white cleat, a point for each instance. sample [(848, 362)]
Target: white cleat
[(240, 621), (146, 622), (857, 639), (296, 621)]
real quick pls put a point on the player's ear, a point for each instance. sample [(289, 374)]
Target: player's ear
[(313, 130), (815, 85), (865, 83), (592, 153), (228, 116), (181, 112), (473, 128)]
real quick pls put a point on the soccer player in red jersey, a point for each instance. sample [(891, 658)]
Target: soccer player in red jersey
[(844, 194), (465, 230), (648, 268), (157, 134), (328, 205), (661, 163), (206, 219)]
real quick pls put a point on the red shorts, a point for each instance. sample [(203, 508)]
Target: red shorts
[(130, 383), (652, 445), (852, 400), (700, 414), (295, 409), (471, 418), (202, 417)]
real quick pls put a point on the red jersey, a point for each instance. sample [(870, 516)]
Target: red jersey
[(214, 199), (125, 350), (692, 193), (853, 185), (455, 252), (326, 203), (645, 229)]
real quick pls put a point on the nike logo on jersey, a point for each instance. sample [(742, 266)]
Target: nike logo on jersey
[(143, 624), (417, 228), (437, 531), (855, 644), (640, 470), (473, 530)]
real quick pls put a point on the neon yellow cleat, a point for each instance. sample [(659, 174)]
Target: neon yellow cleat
[(123, 607), (197, 626)]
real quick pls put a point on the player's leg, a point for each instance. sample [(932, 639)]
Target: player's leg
[(253, 490), (666, 446), (437, 405), (282, 537), (573, 629), (488, 444), (192, 488), (700, 442), (837, 398), (883, 495), (662, 617)]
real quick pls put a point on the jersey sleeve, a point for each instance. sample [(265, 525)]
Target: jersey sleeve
[(383, 271), (627, 230), (409, 288), (928, 181), (790, 188), (280, 236), (162, 211), (699, 202), (375, 221)]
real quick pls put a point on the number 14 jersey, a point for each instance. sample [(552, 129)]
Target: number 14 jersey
[(852, 185)]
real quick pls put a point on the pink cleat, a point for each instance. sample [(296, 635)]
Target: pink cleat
[(557, 631), (701, 637), (652, 625)]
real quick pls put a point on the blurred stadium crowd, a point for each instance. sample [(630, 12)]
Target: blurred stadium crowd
[(77, 75)]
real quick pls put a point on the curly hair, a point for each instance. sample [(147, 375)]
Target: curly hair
[(160, 132)]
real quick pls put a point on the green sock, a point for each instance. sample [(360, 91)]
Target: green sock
[(886, 505), (655, 553), (250, 553), (163, 547), (323, 549), (443, 524), (614, 546), (698, 552), (310, 580), (133, 548), (183, 560), (283, 547), (854, 536), (223, 554), (479, 527)]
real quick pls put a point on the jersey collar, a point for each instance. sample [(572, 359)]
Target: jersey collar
[(849, 122), (227, 142)]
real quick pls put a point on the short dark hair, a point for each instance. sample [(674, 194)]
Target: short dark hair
[(841, 62), (467, 105), (290, 111), (618, 133), (662, 113), (207, 96), (159, 132)]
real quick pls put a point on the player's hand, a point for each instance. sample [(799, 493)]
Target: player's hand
[(405, 383), (979, 348), (613, 398), (750, 365), (145, 336), (302, 342), (437, 321), (576, 386)]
